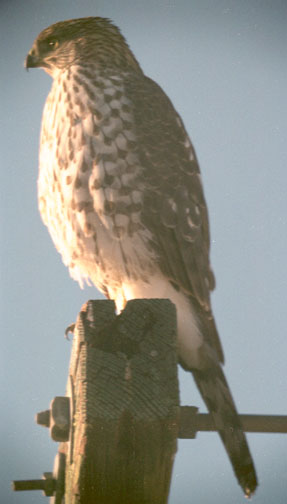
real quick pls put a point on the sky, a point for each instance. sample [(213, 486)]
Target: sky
[(223, 64)]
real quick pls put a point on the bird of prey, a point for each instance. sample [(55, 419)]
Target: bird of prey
[(121, 194)]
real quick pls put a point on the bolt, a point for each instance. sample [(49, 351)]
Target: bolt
[(43, 418), (47, 484), (57, 418), (20, 485)]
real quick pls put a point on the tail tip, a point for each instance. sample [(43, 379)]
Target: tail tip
[(250, 486)]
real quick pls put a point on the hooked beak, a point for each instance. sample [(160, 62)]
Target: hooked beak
[(32, 60)]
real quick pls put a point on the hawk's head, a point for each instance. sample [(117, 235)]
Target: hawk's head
[(79, 41)]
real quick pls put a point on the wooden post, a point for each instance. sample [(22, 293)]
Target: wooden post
[(119, 422), (124, 404)]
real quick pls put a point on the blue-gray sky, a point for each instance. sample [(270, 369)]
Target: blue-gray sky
[(223, 64)]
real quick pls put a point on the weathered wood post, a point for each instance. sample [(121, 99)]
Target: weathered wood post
[(124, 404), (119, 421)]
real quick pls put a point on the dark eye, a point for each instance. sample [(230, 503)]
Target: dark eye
[(52, 44)]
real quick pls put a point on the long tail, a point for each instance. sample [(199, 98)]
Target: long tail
[(217, 397)]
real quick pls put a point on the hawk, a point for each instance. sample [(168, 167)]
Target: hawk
[(120, 192)]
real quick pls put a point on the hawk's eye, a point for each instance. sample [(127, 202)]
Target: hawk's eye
[(52, 44)]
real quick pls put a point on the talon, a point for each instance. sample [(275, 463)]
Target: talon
[(70, 329)]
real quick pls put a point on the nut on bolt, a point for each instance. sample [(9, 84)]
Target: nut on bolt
[(47, 484), (57, 418), (52, 484)]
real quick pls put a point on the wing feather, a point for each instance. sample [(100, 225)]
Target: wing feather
[(174, 208)]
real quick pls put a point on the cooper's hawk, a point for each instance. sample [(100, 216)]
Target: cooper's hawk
[(120, 191)]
